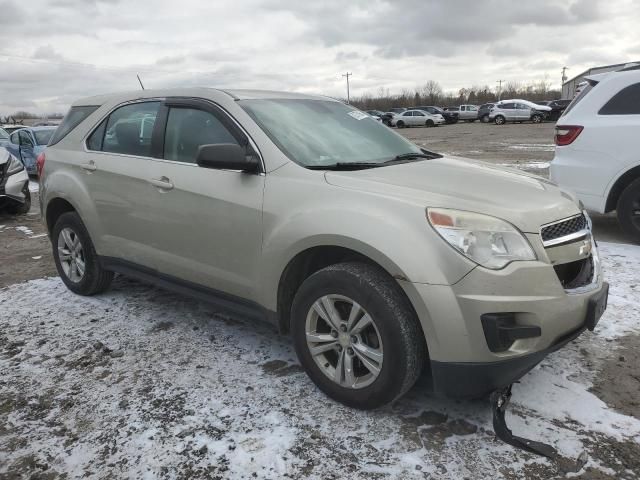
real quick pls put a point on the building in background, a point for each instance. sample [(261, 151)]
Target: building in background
[(569, 87)]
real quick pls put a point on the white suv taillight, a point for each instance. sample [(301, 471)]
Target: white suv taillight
[(566, 134), (40, 164)]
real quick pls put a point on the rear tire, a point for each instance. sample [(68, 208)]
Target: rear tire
[(75, 257), (628, 210), (394, 334)]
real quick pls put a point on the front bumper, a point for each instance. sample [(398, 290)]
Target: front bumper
[(463, 363), (12, 186)]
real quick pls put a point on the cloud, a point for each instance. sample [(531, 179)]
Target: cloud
[(77, 48)]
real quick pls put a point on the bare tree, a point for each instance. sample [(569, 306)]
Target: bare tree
[(432, 91)]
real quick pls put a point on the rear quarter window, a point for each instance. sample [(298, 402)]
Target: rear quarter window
[(74, 117), (625, 102)]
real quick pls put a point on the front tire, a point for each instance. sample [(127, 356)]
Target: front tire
[(75, 257), (536, 118), (499, 120), (356, 335), (484, 119), (400, 124), (628, 210), (430, 123)]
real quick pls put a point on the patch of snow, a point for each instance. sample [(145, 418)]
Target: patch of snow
[(25, 230), (38, 257), (34, 186), (141, 383)]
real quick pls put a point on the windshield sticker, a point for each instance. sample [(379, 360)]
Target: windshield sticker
[(357, 114)]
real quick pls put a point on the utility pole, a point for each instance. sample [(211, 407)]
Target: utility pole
[(564, 75), (348, 74), (499, 82)]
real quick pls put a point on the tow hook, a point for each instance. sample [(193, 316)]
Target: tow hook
[(499, 400)]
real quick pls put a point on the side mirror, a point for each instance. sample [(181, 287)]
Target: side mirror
[(226, 156)]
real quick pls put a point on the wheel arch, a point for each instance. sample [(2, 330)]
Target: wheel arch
[(311, 259), (56, 207), (618, 187)]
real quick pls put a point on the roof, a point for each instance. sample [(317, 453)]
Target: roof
[(237, 94), (588, 71)]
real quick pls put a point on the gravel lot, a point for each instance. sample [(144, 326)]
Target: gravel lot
[(138, 383)]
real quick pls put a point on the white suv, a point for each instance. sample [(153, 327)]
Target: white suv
[(597, 154)]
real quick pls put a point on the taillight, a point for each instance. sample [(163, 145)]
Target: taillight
[(40, 163), (566, 134)]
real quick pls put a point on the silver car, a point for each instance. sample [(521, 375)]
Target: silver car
[(517, 111), (416, 118), (376, 255)]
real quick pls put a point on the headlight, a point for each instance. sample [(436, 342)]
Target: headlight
[(15, 166), (488, 241)]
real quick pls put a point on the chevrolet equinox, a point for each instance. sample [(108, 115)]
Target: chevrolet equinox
[(379, 257)]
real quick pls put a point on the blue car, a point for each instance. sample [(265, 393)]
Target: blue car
[(27, 143)]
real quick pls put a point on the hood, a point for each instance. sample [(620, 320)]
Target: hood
[(525, 200)]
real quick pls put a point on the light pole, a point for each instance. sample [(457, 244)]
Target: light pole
[(499, 82), (348, 74)]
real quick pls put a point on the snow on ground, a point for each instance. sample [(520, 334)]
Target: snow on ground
[(140, 383)]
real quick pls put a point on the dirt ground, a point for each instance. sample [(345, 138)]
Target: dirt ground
[(105, 388)]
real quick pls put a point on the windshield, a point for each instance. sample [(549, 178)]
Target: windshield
[(43, 136), (316, 133)]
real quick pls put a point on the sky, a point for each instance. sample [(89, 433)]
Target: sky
[(53, 52)]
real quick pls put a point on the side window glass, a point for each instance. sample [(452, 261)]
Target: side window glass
[(625, 102), (25, 139), (418, 114), (188, 129), (14, 138), (94, 142), (407, 114), (128, 129)]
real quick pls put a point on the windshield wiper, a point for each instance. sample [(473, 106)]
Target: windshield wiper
[(403, 157), (345, 166)]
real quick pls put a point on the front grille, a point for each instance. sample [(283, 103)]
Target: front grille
[(575, 274), (563, 228)]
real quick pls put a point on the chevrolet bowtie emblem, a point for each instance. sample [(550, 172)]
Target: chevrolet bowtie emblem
[(585, 248)]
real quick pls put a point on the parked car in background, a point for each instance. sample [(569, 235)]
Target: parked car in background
[(468, 113), (14, 184), (597, 147), (4, 137), (10, 128), (386, 118), (557, 108), (483, 112), (377, 114), (27, 143), (379, 257), (416, 118), (397, 109), (449, 117), (517, 111)]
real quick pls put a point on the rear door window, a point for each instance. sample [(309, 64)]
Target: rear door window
[(74, 117), (188, 129), (128, 130), (625, 102), (583, 93)]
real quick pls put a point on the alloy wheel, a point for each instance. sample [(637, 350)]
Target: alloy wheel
[(344, 341), (71, 254)]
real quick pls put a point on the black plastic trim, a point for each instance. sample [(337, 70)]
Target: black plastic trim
[(478, 379), (224, 301)]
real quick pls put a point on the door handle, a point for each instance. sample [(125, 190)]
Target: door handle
[(89, 167), (162, 183)]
